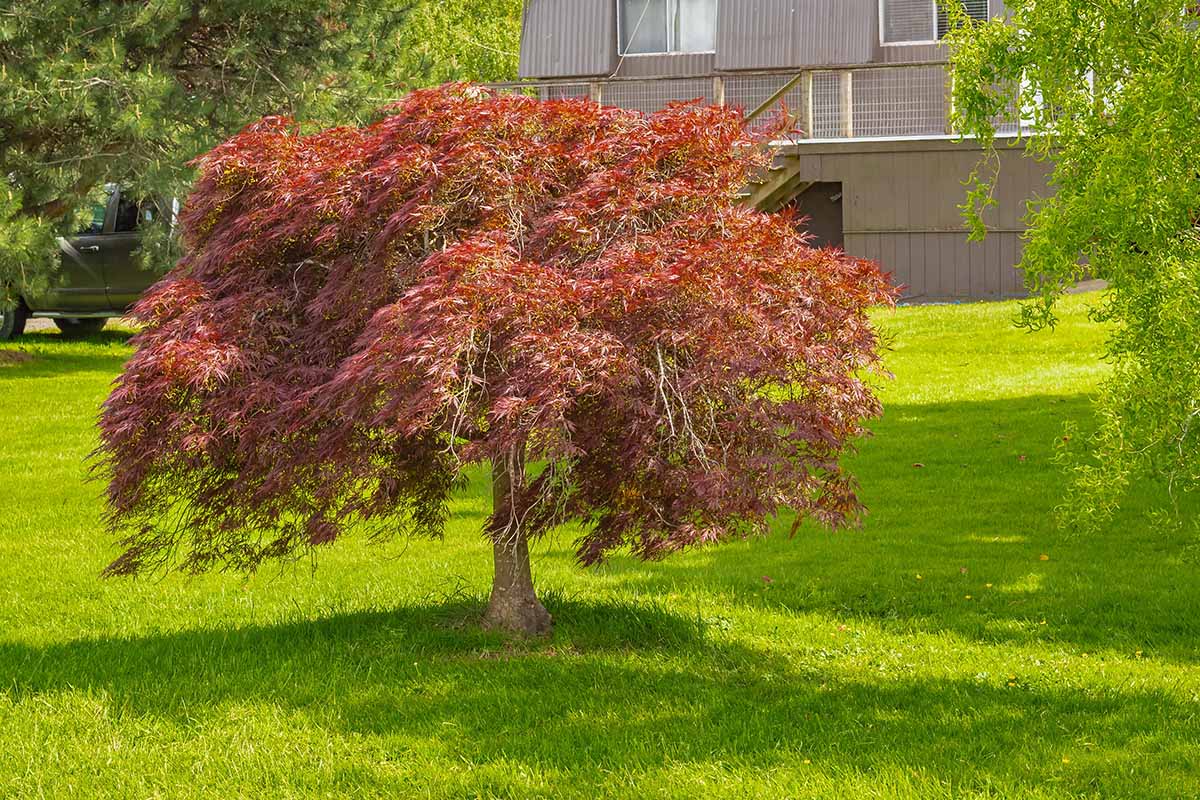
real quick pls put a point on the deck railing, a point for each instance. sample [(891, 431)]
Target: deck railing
[(867, 101)]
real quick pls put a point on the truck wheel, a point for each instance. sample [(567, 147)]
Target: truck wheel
[(12, 322), (75, 327)]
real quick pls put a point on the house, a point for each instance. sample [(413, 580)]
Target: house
[(875, 166)]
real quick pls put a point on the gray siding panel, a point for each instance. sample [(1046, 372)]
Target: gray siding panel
[(900, 208), (578, 38), (755, 35), (948, 267), (658, 66), (993, 275), (795, 33), (568, 38), (977, 252), (908, 53), (1012, 280), (918, 252), (944, 266)]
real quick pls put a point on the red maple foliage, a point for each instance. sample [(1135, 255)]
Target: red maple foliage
[(363, 312)]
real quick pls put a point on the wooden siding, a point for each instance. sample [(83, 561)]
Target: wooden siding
[(900, 207), (568, 38), (932, 267)]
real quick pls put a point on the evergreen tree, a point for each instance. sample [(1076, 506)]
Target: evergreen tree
[(129, 92)]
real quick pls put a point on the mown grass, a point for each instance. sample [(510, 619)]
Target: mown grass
[(958, 645)]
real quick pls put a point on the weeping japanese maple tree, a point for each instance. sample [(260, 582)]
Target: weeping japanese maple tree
[(567, 292)]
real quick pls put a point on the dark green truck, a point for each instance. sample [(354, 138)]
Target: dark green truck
[(101, 275)]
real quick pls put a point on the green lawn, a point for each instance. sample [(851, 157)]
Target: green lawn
[(957, 645)]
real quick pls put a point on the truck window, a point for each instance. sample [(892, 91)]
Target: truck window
[(96, 226), (127, 215), (132, 214)]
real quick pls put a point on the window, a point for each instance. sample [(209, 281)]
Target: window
[(127, 216), (667, 26), (99, 211), (96, 225), (921, 21), (132, 214), (976, 10)]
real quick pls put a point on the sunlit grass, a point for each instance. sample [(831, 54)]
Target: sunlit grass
[(957, 645)]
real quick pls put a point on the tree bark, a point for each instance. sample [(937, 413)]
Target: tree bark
[(514, 605)]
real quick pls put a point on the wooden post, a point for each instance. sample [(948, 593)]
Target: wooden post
[(718, 91), (949, 127), (806, 118), (1020, 102), (596, 92), (846, 101)]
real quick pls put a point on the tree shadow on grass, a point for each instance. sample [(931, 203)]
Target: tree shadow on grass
[(46, 354), (961, 537), (626, 686)]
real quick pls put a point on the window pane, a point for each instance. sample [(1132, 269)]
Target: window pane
[(127, 216), (907, 21), (697, 26), (644, 26), (97, 224), (99, 211), (976, 9)]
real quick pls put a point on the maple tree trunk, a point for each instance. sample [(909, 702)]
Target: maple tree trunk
[(514, 605)]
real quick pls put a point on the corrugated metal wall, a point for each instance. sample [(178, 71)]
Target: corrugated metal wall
[(654, 66), (900, 197), (909, 53), (568, 38), (784, 33), (577, 38), (900, 207)]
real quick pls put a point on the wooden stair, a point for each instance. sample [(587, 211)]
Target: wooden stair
[(772, 188)]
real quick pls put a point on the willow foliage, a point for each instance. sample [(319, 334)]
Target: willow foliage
[(1111, 89)]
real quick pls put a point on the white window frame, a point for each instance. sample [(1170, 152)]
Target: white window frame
[(933, 27), (675, 4)]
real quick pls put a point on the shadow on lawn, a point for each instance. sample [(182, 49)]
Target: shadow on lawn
[(610, 698), (48, 354), (963, 495), (626, 685)]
